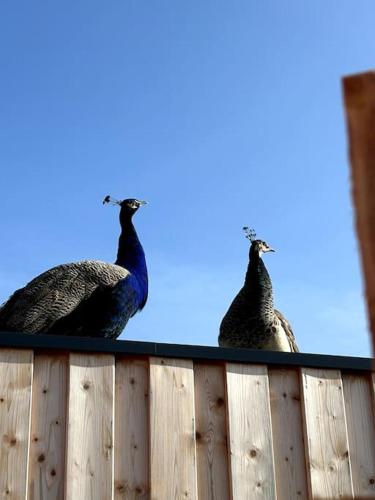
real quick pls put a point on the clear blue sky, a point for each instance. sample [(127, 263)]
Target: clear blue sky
[(220, 114)]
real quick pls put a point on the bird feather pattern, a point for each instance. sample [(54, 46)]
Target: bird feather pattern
[(86, 298), (251, 320), (57, 293)]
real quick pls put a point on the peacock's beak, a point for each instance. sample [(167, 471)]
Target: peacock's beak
[(142, 202)]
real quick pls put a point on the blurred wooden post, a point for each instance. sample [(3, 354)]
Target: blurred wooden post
[(359, 96)]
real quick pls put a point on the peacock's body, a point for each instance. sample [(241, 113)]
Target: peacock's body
[(251, 320), (87, 298)]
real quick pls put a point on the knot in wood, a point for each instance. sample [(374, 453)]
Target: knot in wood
[(220, 402), (253, 453), (86, 385), (371, 480), (120, 487), (41, 458)]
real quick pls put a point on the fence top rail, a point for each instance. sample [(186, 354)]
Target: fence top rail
[(197, 353)]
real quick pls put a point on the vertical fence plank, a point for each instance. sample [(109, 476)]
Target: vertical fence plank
[(361, 433), (89, 470), (287, 434), (326, 440), (211, 432), (250, 432), (359, 98), (47, 446), (131, 429), (16, 368), (172, 430)]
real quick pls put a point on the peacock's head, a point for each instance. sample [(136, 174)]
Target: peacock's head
[(258, 247), (128, 206)]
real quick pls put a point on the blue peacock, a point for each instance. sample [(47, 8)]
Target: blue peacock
[(87, 298)]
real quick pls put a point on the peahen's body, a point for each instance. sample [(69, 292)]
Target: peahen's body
[(88, 298), (251, 321)]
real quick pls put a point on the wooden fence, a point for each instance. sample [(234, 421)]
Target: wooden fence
[(90, 419), (359, 100)]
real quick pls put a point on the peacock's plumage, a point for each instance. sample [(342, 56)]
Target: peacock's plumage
[(87, 298), (251, 320)]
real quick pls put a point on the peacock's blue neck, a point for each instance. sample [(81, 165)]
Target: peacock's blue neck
[(131, 256)]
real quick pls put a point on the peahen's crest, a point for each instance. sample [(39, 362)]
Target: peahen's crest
[(250, 234)]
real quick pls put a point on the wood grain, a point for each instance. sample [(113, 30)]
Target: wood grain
[(287, 433), (172, 430), (47, 447), (16, 369), (361, 433), (132, 429), (359, 97), (326, 440), (211, 432), (250, 432), (89, 470)]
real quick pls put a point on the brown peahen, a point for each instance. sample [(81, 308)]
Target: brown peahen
[(251, 321)]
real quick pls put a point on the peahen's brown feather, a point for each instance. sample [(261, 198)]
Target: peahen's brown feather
[(251, 321)]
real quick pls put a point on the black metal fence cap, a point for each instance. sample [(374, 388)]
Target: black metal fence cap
[(197, 353)]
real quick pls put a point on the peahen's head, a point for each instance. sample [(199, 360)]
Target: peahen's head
[(258, 247), (128, 206)]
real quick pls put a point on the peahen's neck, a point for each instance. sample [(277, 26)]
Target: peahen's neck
[(258, 288), (131, 256)]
